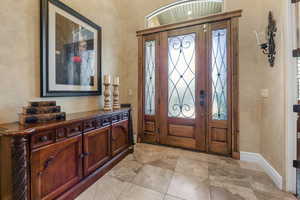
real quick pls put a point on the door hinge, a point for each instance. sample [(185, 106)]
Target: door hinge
[(296, 164)]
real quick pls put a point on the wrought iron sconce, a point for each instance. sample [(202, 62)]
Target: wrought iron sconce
[(269, 48)]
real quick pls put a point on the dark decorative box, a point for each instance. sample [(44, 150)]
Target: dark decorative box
[(41, 118), (40, 112)]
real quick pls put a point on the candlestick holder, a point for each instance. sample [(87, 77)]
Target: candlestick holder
[(116, 94), (107, 101)]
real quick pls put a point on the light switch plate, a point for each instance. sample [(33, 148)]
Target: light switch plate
[(264, 93), (130, 92)]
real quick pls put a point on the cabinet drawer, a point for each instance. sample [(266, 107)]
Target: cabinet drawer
[(89, 125), (74, 129), (125, 116), (43, 138), (116, 118), (61, 133), (105, 121)]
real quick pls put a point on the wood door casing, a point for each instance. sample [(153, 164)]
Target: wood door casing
[(56, 168), (219, 131), (183, 132), (96, 149), (119, 137), (219, 136)]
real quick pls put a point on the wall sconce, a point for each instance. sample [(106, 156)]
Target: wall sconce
[(269, 47)]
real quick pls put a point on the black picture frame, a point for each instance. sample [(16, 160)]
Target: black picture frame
[(45, 91)]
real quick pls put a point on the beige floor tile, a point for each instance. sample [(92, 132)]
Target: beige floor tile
[(226, 191), (263, 183), (272, 196), (154, 178), (249, 165), (152, 171), (89, 194), (189, 187), (192, 167), (167, 162), (109, 188), (126, 170), (136, 192), (169, 197), (231, 175)]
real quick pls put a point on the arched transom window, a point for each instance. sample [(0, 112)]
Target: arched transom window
[(183, 10)]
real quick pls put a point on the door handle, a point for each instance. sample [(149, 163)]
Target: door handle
[(202, 97)]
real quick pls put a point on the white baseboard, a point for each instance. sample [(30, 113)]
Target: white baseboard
[(265, 165)]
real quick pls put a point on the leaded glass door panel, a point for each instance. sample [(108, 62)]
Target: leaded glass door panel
[(219, 89), (183, 78), (150, 88)]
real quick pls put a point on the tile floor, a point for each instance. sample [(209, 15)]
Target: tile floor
[(162, 173)]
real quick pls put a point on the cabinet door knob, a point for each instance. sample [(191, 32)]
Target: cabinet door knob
[(44, 138)]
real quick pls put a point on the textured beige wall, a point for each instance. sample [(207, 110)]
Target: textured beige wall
[(273, 110), (20, 54)]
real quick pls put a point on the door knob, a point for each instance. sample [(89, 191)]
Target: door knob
[(202, 97)]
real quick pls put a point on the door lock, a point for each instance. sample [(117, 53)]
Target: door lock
[(202, 97)]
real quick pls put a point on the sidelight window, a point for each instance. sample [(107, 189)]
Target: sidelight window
[(150, 77), (219, 74)]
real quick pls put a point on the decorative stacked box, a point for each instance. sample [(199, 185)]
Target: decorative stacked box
[(40, 112)]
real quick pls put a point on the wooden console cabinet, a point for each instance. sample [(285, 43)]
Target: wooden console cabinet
[(59, 160)]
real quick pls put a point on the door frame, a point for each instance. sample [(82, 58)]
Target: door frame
[(233, 17), (290, 96)]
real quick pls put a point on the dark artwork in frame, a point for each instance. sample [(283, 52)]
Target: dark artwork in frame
[(70, 52)]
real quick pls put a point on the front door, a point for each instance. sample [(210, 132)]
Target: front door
[(183, 92), (188, 88)]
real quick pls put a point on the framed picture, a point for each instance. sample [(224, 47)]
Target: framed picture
[(70, 52)]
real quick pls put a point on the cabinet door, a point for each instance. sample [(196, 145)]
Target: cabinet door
[(120, 139), (56, 168), (96, 149)]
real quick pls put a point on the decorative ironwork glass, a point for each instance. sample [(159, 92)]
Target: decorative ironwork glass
[(150, 77), (181, 76), (219, 75)]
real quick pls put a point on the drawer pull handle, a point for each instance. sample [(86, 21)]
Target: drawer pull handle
[(44, 138), (60, 134), (75, 129), (47, 164), (83, 155)]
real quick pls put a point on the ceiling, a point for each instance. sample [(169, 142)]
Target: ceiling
[(184, 10)]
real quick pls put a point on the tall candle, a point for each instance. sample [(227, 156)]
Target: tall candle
[(116, 80), (107, 79)]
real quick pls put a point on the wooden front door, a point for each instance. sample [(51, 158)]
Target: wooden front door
[(189, 87), (183, 101)]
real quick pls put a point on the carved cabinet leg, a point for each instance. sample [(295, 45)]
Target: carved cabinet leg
[(19, 168)]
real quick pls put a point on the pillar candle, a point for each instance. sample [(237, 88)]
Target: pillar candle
[(107, 79), (116, 80)]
